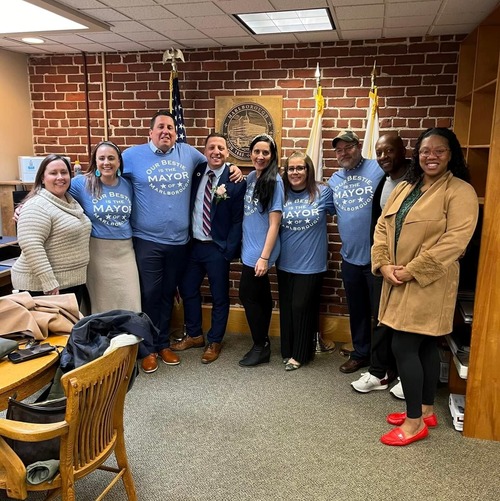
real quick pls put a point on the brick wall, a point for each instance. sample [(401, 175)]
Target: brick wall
[(416, 80)]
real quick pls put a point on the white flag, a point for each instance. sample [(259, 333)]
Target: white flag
[(372, 128), (315, 146)]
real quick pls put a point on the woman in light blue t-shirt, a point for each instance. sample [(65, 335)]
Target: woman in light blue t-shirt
[(260, 244), (106, 198), (303, 259)]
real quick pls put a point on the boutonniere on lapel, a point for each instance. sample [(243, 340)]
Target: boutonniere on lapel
[(220, 193)]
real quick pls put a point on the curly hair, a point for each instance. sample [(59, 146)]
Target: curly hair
[(266, 182), (457, 165)]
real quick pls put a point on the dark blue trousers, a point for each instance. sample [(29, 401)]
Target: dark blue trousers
[(358, 285), (160, 268), (205, 259), (382, 358)]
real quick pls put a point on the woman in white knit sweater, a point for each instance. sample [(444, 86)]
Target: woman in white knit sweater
[(53, 233)]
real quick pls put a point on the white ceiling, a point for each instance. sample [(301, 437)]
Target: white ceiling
[(143, 25)]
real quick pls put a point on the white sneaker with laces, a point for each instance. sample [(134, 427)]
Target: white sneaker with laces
[(367, 382), (397, 390)]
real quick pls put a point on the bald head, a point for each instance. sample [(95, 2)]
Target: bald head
[(390, 151)]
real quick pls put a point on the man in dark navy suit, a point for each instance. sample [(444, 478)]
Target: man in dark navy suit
[(216, 226)]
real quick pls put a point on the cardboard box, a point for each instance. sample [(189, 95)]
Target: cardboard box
[(28, 167)]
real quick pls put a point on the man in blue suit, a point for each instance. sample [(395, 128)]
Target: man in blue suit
[(216, 227)]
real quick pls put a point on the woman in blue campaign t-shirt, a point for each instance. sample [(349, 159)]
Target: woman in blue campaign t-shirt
[(106, 198), (260, 244), (302, 261)]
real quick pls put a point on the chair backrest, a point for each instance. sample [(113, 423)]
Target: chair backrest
[(95, 399)]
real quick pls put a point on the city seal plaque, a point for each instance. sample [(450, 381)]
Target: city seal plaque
[(242, 123), (241, 119)]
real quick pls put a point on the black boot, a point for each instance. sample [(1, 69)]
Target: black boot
[(257, 355)]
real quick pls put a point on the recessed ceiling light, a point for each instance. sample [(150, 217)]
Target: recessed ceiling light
[(32, 40), (289, 21)]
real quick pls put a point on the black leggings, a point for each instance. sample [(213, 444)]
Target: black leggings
[(255, 295), (417, 358)]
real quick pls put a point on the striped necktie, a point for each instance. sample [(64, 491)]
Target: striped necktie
[(207, 203)]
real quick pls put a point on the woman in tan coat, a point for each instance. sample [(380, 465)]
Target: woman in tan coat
[(424, 229)]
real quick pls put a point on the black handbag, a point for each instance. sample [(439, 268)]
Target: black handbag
[(7, 346), (51, 411)]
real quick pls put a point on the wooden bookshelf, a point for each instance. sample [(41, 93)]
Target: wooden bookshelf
[(477, 125)]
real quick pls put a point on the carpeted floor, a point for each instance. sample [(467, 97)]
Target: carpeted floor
[(225, 433)]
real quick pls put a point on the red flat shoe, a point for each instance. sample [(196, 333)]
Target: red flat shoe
[(397, 437), (398, 418)]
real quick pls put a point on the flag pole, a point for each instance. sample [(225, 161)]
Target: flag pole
[(315, 147), (315, 152), (173, 55)]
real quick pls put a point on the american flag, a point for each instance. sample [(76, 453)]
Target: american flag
[(176, 109)]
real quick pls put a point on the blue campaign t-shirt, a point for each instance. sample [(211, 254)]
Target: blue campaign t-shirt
[(353, 192), (256, 223), (109, 213), (303, 234), (162, 189)]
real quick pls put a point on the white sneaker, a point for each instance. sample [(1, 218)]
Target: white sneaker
[(397, 390), (367, 382)]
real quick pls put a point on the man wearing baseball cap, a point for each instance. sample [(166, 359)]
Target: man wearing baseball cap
[(353, 187)]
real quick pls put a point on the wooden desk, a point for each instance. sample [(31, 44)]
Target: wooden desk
[(7, 203), (8, 249), (28, 377), (4, 276)]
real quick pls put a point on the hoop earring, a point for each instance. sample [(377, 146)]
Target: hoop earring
[(97, 173), (118, 173)]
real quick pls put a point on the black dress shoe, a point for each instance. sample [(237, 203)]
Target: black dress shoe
[(352, 365), (257, 355)]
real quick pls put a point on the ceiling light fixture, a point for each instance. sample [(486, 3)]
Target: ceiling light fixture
[(24, 17), (289, 21), (32, 40)]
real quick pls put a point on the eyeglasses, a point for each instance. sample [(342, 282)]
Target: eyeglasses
[(341, 151), (437, 153), (299, 168)]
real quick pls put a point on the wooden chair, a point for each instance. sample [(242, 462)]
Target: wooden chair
[(91, 432)]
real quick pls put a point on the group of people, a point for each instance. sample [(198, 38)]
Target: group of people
[(161, 217), (403, 227)]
